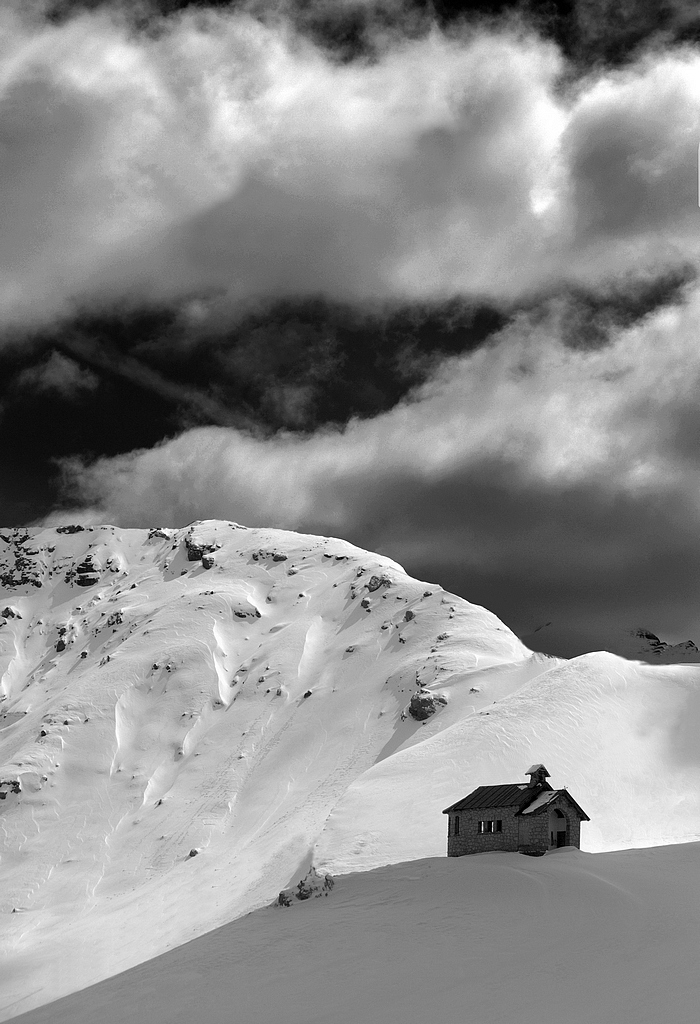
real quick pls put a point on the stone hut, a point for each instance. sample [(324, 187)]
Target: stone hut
[(524, 817)]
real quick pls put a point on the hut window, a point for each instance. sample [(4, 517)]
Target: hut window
[(490, 826), (456, 832)]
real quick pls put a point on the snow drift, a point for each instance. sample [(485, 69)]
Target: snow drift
[(494, 938)]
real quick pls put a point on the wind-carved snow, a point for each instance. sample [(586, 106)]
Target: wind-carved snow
[(216, 707), (572, 937)]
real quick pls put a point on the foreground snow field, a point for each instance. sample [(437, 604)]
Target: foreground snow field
[(496, 938), (189, 718)]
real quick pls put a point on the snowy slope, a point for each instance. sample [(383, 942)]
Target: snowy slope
[(496, 938), (190, 717), (622, 736), (154, 703)]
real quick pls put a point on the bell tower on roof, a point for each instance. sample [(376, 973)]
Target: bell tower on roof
[(538, 773)]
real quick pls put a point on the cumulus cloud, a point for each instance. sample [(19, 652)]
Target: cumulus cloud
[(225, 154), (524, 475)]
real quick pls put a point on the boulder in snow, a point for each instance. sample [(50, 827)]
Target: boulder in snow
[(422, 705), (378, 581), (312, 885)]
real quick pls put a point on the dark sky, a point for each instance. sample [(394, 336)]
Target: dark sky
[(414, 274)]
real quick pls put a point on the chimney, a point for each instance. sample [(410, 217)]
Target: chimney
[(538, 773)]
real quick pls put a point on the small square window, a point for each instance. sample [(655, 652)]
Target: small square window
[(499, 825), (456, 824), (482, 827), (489, 826)]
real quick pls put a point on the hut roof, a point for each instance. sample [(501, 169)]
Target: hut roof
[(527, 799)]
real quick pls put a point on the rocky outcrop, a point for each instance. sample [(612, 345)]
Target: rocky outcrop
[(650, 643), (376, 582), (199, 552), (275, 556), (160, 531), (19, 564), (423, 704), (311, 886), (9, 786), (87, 574)]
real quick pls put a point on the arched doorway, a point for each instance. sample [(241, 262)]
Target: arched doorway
[(558, 829)]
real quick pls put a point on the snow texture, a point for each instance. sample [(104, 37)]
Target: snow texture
[(495, 938), (192, 719)]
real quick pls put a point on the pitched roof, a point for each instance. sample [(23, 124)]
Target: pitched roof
[(541, 800), (510, 795), (528, 799), (567, 794)]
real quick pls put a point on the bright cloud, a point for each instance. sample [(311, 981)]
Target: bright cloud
[(223, 155)]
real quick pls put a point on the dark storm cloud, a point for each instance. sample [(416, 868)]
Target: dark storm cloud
[(583, 554), (611, 32), (679, 432), (208, 408), (526, 476), (614, 31), (295, 364)]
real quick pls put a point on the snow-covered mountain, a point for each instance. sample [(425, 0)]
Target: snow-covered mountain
[(190, 718), (633, 643)]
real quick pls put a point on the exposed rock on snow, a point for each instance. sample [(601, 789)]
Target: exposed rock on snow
[(311, 885), (378, 581), (9, 786), (275, 556), (86, 573), (422, 705), (196, 552), (20, 563), (650, 643), (160, 531)]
